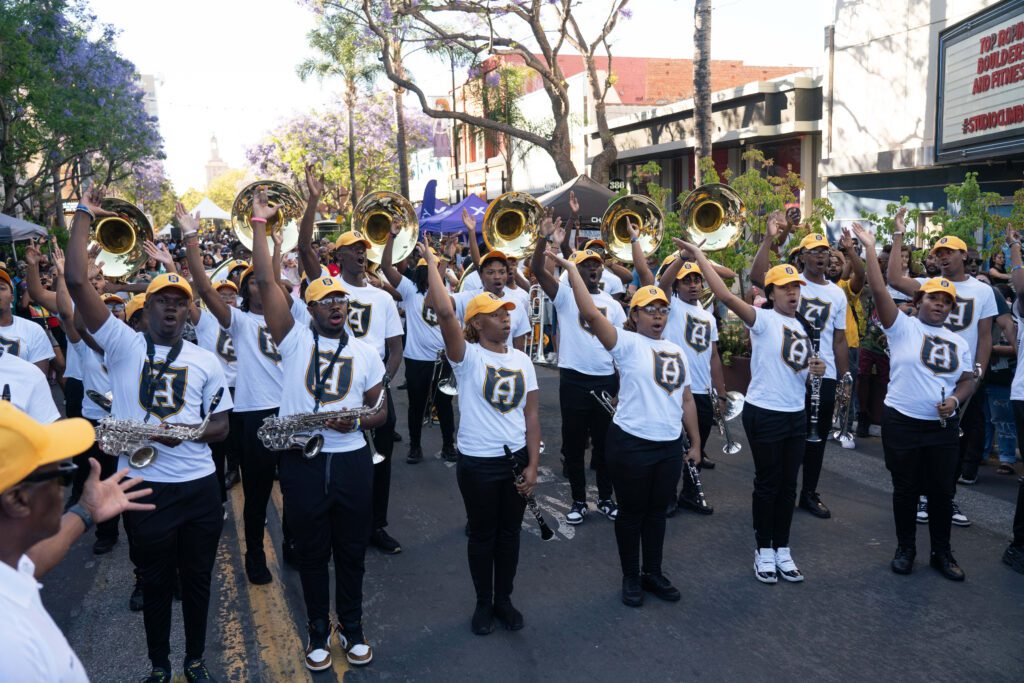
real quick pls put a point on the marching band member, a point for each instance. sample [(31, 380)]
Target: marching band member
[(328, 498), (498, 403), (823, 307), (25, 386), (1014, 553), (373, 318), (21, 337), (158, 375), (645, 444), (493, 272), (773, 415), (930, 379)]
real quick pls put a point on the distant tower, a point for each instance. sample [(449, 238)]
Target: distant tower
[(215, 167)]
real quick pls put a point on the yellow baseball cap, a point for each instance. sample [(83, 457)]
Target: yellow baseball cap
[(492, 255), (322, 286), (939, 284), (669, 259), (688, 268), (225, 283), (347, 239), (646, 295), (596, 243), (949, 242), (6, 278), (814, 240), (486, 303), (133, 305), (782, 275), (168, 280), (585, 255), (237, 263), (112, 298), (27, 444)]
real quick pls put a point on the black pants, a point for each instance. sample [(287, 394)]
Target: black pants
[(258, 465), (922, 458), (74, 393), (583, 416), (777, 446), (495, 512), (705, 421), (418, 374), (1018, 517), (226, 452), (644, 474), (384, 442), (972, 422), (181, 533), (814, 453), (329, 503)]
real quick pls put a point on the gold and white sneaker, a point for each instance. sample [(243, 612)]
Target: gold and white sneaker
[(318, 646), (357, 654)]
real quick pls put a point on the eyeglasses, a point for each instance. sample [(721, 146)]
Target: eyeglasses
[(115, 308), (655, 310), (330, 301), (65, 473)]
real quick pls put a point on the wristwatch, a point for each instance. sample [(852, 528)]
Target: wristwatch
[(86, 518)]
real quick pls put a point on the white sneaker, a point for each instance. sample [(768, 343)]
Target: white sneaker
[(922, 510), (764, 565), (787, 568), (576, 513), (847, 442), (357, 654), (959, 518), (319, 658)]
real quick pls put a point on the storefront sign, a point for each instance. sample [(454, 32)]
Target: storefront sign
[(980, 112)]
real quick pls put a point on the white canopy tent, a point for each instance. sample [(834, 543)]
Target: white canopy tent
[(15, 229), (166, 230), (210, 211)]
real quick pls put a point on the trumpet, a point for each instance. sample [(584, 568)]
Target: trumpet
[(535, 344), (840, 422), (438, 382), (605, 400), (967, 401), (131, 438), (812, 436), (722, 420), (297, 431)]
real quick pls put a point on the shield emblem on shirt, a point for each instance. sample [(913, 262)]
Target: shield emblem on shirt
[(962, 315), (429, 314), (359, 318), (11, 346), (586, 326), (939, 355), (669, 370), (226, 347), (168, 392), (267, 346), (796, 349), (503, 388), (815, 311), (698, 333), (337, 382)]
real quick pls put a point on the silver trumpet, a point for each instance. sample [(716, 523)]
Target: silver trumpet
[(840, 422), (131, 438), (812, 435), (605, 400), (722, 420), (967, 401), (298, 431)]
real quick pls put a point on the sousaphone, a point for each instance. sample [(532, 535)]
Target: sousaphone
[(646, 217), (511, 224), (120, 238), (712, 214), (374, 215), (286, 220)]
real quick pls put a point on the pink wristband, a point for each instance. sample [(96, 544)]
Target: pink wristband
[(257, 219)]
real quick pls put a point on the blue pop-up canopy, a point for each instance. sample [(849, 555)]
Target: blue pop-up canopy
[(450, 220)]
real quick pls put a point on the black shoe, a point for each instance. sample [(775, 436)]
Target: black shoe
[(632, 591), (396, 437), (706, 463), (231, 478), (946, 564), (136, 603), (863, 426), (509, 616), (483, 618), (196, 672), (415, 455), (289, 555), (903, 561), (688, 502), (673, 508), (383, 541), (449, 453), (256, 570), (158, 675), (104, 545), (811, 501), (660, 586), (1014, 556)]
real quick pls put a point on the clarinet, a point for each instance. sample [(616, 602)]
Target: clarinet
[(813, 436), (942, 420), (546, 534), (7, 393)]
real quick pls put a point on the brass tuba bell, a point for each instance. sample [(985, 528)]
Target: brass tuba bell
[(714, 214), (373, 217), (511, 224), (644, 213), (120, 238), (286, 220)]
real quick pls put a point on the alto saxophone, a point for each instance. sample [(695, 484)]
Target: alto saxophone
[(298, 431)]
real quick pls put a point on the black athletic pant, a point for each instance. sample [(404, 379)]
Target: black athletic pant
[(922, 458), (226, 451), (74, 393), (705, 421), (418, 374), (329, 503), (1018, 517), (644, 474), (495, 512), (583, 416), (972, 422), (777, 445), (384, 443), (258, 465), (181, 533), (814, 453)]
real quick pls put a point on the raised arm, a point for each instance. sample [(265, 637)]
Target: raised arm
[(741, 308), (639, 260), (276, 307), (884, 305), (1016, 266), (36, 291), (474, 248), (200, 280), (569, 245), (776, 222), (162, 256), (853, 262), (386, 266), (668, 275), (307, 252), (601, 327), (76, 266), (438, 299), (552, 233), (897, 279)]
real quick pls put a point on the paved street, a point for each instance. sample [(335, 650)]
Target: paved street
[(852, 619)]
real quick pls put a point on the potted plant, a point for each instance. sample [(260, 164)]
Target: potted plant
[(734, 349)]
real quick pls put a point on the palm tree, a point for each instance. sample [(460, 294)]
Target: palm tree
[(701, 84)]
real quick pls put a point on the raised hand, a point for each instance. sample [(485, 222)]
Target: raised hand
[(1012, 234), (574, 203), (793, 216), (159, 254), (845, 241), (468, 221), (261, 207), (428, 255), (32, 253), (92, 199), (777, 220), (189, 223), (899, 220), (633, 230), (686, 248), (57, 256), (866, 237), (314, 183)]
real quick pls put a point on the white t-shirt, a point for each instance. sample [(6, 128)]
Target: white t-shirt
[(472, 283), (578, 348), (258, 382), (1017, 387), (25, 339), (34, 650), (492, 400), (652, 379), (520, 296), (30, 392), (357, 370), (215, 339), (694, 330), (780, 350), (372, 316), (975, 301), (186, 387), (519, 317), (824, 307), (72, 368), (95, 378), (923, 361), (610, 283), (423, 335)]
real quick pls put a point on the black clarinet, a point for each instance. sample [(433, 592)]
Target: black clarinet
[(694, 472), (546, 534)]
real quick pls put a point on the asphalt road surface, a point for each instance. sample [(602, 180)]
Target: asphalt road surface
[(852, 619)]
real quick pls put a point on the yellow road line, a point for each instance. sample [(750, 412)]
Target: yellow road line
[(233, 651)]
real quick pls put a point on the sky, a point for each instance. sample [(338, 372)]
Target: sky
[(227, 67)]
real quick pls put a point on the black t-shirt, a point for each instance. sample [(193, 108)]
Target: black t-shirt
[(1000, 368)]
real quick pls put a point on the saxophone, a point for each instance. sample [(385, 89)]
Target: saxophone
[(298, 431)]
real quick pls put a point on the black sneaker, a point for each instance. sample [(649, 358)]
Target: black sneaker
[(449, 453), (946, 565), (158, 675), (903, 561), (135, 602), (415, 455), (577, 512), (104, 545), (632, 591), (706, 463), (196, 672), (863, 426), (289, 555), (231, 478), (660, 586), (1014, 556), (608, 508), (811, 501), (383, 541), (396, 437), (257, 572), (958, 517), (483, 618), (509, 616), (688, 502)]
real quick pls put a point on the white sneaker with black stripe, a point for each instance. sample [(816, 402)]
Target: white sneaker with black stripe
[(922, 510), (786, 566), (959, 518), (577, 512), (764, 565)]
